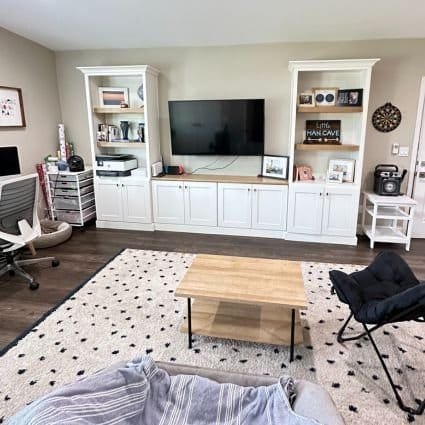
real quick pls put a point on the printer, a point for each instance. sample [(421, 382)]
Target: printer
[(117, 165)]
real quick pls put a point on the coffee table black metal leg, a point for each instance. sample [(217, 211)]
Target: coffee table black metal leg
[(189, 321), (291, 356)]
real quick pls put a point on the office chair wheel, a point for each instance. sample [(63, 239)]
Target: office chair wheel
[(55, 263), (11, 272), (34, 285)]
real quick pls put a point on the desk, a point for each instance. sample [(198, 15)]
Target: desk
[(397, 211)]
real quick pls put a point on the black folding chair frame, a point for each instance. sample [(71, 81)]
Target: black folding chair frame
[(368, 332)]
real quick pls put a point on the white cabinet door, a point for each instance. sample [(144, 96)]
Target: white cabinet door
[(269, 204), (305, 208), (168, 202), (136, 202), (340, 211), (108, 200), (200, 203), (234, 205)]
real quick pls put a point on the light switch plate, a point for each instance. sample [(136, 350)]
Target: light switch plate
[(395, 148), (403, 151)]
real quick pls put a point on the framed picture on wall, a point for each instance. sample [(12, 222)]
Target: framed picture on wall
[(275, 166), (11, 107), (113, 97)]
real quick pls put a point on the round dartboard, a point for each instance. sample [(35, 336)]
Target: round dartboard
[(386, 118)]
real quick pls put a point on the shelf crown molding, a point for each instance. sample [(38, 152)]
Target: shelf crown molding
[(332, 65), (118, 70)]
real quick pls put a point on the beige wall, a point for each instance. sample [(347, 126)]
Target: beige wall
[(255, 71), (31, 67)]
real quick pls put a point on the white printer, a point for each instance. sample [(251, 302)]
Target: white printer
[(115, 165)]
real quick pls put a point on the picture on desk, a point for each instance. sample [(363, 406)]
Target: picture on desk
[(275, 166), (346, 166)]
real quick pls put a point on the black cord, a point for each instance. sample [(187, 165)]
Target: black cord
[(217, 168)]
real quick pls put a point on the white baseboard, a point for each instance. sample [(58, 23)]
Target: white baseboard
[(121, 225), (214, 230), (340, 240)]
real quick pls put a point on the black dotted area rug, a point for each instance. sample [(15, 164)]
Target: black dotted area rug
[(128, 309)]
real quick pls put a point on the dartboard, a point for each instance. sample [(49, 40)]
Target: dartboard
[(386, 118)]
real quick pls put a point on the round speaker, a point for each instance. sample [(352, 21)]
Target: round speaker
[(390, 186)]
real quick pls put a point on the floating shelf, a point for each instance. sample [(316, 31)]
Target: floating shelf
[(99, 110), (136, 145), (326, 147), (329, 109)]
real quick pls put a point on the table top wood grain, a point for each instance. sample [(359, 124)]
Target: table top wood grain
[(244, 280)]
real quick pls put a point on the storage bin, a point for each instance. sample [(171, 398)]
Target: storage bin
[(73, 202), (75, 217)]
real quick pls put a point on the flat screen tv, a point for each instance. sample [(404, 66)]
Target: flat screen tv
[(217, 127)]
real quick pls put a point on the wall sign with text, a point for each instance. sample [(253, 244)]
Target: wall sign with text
[(323, 131)]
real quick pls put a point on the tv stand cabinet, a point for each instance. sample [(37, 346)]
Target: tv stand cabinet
[(220, 204)]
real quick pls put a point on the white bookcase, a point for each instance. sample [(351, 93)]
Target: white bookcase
[(124, 202), (319, 211)]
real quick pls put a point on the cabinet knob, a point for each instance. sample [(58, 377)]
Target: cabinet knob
[(180, 187), (255, 190), (117, 185), (249, 190), (320, 194), (185, 187), (327, 194)]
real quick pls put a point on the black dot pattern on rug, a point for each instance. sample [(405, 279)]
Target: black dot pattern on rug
[(129, 309)]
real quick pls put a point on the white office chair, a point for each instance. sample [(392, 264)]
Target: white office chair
[(19, 224)]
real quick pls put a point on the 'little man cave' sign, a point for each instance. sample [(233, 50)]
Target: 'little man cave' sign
[(323, 131)]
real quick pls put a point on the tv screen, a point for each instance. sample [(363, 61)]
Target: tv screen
[(217, 127)]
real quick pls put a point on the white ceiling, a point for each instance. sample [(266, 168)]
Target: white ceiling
[(101, 24)]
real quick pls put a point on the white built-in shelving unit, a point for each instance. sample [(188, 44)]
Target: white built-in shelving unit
[(124, 202), (319, 211)]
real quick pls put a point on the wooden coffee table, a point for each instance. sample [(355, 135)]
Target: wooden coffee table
[(250, 299)]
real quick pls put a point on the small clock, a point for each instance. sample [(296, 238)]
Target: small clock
[(386, 118)]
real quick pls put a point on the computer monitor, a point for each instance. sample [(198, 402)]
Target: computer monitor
[(9, 161)]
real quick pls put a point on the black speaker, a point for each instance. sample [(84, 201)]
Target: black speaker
[(75, 163), (388, 179)]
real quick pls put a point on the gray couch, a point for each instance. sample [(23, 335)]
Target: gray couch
[(311, 401)]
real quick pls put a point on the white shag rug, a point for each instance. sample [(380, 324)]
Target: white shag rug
[(128, 308)]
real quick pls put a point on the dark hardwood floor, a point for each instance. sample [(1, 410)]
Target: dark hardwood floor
[(88, 251)]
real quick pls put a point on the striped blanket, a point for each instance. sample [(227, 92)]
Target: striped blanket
[(141, 393)]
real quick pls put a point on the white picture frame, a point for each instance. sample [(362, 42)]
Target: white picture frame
[(346, 166), (113, 97), (334, 176), (275, 166), (325, 96)]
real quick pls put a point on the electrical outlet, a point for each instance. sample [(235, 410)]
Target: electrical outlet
[(395, 148), (403, 151)]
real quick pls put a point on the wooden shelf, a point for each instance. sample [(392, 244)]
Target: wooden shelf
[(326, 147), (330, 109), (99, 110), (136, 145)]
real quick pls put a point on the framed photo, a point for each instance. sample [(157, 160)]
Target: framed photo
[(11, 107), (112, 97), (325, 96), (306, 99), (346, 166), (350, 97), (335, 176), (275, 166), (304, 172)]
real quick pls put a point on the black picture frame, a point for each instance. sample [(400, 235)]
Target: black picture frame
[(279, 170), (349, 97)]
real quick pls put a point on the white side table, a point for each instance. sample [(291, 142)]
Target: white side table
[(391, 218)]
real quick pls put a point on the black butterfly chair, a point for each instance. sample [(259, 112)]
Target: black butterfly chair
[(385, 292)]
